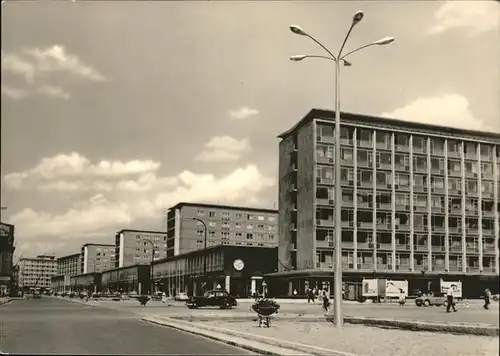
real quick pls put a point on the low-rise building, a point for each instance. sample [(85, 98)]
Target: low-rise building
[(6, 252)]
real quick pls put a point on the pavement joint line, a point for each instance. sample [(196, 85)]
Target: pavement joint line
[(273, 341), (265, 349)]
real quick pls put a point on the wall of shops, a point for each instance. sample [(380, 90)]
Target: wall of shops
[(128, 279)]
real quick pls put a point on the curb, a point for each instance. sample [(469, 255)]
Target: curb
[(2, 302), (410, 325), (76, 301), (258, 347)]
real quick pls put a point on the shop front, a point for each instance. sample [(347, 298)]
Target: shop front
[(237, 269), (87, 282), (126, 280), (61, 283)]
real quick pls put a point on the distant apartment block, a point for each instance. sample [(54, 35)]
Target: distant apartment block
[(36, 272), (70, 265), (415, 197), (97, 257), (136, 247), (226, 225)]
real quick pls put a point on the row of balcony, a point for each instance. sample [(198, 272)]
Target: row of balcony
[(468, 150), (404, 267), (403, 227), (487, 248)]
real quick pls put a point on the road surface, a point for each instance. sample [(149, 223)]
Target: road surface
[(54, 326), (475, 314)]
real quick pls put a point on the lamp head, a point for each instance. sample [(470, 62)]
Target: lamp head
[(297, 30), (384, 41), (298, 57), (358, 16)]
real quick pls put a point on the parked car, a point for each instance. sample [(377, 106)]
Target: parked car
[(427, 301), (212, 298), (495, 297), (181, 297)]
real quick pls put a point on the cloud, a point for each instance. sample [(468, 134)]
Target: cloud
[(13, 93), (224, 149), (16, 65), (76, 167), (53, 91), (476, 17), (448, 110), (94, 215), (241, 186), (242, 113), (56, 59)]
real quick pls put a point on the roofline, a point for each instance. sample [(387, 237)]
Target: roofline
[(328, 114), (69, 256), (137, 265), (209, 248), (94, 244), (219, 206), (10, 225), (146, 231)]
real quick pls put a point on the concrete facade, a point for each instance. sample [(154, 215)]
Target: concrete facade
[(36, 272), (70, 265), (226, 225), (6, 253), (415, 198), (134, 247), (97, 258)]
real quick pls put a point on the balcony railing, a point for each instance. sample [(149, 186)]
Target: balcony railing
[(384, 246), (325, 244), (488, 269), (402, 247), (323, 222), (403, 267), (325, 265), (454, 154), (473, 269), (489, 249), (455, 268), (365, 225), (384, 226), (365, 266), (472, 249), (487, 232), (384, 267), (488, 213), (421, 267), (364, 143), (472, 230), (364, 246), (438, 228), (421, 248), (457, 249), (438, 248)]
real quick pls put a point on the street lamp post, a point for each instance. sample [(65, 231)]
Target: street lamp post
[(205, 247), (93, 271), (358, 16), (152, 260)]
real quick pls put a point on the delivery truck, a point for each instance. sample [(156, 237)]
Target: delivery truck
[(379, 289)]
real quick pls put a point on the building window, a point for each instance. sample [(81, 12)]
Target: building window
[(238, 225), (249, 226), (249, 236), (272, 218), (211, 224), (249, 217), (239, 234), (211, 233), (199, 232), (239, 216), (211, 214), (200, 212)]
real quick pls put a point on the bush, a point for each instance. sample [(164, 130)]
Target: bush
[(266, 307)]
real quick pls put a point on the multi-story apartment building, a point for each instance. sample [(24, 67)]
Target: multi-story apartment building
[(97, 257), (36, 272), (6, 252), (70, 265), (416, 198), (226, 225), (136, 247)]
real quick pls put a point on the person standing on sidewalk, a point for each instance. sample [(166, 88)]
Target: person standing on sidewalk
[(450, 299), (487, 298)]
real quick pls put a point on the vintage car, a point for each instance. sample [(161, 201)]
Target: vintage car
[(212, 298), (427, 301)]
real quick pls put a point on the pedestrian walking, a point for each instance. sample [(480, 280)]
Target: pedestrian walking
[(487, 298), (402, 297), (164, 297), (326, 301), (450, 299)]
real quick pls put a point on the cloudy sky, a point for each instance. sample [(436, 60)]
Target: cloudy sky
[(113, 111)]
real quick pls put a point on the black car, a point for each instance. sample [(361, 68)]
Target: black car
[(212, 298)]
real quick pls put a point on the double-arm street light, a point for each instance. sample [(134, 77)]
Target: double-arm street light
[(337, 59), (152, 260), (204, 248)]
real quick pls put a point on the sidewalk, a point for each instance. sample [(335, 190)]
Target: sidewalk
[(325, 339), (5, 300)]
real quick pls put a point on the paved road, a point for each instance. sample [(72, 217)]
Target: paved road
[(474, 314), (55, 326)]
